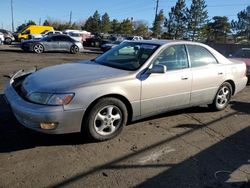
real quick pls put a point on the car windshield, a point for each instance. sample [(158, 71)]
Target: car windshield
[(127, 56), (242, 53)]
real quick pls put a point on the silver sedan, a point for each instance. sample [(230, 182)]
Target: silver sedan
[(52, 43), (131, 81)]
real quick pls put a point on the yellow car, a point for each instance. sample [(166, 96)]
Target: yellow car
[(33, 29)]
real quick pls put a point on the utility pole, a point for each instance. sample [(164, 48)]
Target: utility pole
[(70, 17), (40, 20), (156, 9), (12, 16)]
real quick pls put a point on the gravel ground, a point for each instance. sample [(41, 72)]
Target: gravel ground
[(195, 147)]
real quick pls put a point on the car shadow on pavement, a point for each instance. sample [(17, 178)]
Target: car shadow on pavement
[(211, 167), (16, 50), (214, 167), (15, 137)]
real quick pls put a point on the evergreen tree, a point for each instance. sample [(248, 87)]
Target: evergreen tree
[(176, 23), (169, 24), (157, 25), (106, 25), (197, 16), (46, 23), (22, 26), (141, 30), (126, 27), (115, 26), (93, 23), (242, 25)]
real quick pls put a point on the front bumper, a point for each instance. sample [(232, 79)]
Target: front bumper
[(31, 115)]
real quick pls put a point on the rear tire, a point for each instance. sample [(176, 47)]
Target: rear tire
[(106, 119), (222, 97), (74, 49), (38, 48)]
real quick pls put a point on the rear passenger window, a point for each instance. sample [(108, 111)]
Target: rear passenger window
[(200, 56)]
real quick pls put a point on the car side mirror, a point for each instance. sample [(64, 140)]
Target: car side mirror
[(158, 69)]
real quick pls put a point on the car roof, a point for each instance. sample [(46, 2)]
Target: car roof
[(164, 42)]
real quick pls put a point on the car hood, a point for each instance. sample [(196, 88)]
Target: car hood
[(69, 76)]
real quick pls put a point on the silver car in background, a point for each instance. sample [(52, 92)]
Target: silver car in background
[(52, 43), (131, 81)]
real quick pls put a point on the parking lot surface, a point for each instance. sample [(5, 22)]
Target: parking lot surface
[(194, 147)]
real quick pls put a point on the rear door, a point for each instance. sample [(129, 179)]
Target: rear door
[(207, 74), (53, 43), (66, 43)]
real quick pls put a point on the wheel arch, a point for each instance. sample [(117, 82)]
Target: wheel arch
[(117, 96), (44, 49), (231, 82)]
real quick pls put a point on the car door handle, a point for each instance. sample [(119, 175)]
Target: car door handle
[(184, 78), (220, 73)]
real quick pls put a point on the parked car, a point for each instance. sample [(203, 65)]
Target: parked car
[(44, 34), (52, 43), (1, 38), (134, 38), (32, 29), (100, 96), (109, 45), (8, 36), (243, 54), (78, 35)]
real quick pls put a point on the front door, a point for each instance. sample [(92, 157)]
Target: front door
[(170, 90)]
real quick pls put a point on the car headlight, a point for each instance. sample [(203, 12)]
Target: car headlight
[(51, 99)]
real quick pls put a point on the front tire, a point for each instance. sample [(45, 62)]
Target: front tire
[(74, 49), (222, 97), (8, 41), (106, 119), (38, 48)]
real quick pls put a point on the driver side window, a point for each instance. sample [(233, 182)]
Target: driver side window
[(173, 57)]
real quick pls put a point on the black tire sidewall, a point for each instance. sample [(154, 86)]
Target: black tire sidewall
[(72, 49), (8, 41), (89, 123)]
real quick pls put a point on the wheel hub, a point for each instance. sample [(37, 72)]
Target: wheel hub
[(108, 120)]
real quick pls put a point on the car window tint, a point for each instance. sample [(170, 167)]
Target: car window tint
[(66, 38), (242, 53), (200, 56), (173, 57), (127, 56), (55, 38)]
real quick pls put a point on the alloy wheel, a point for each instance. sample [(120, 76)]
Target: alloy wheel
[(38, 48), (108, 120)]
